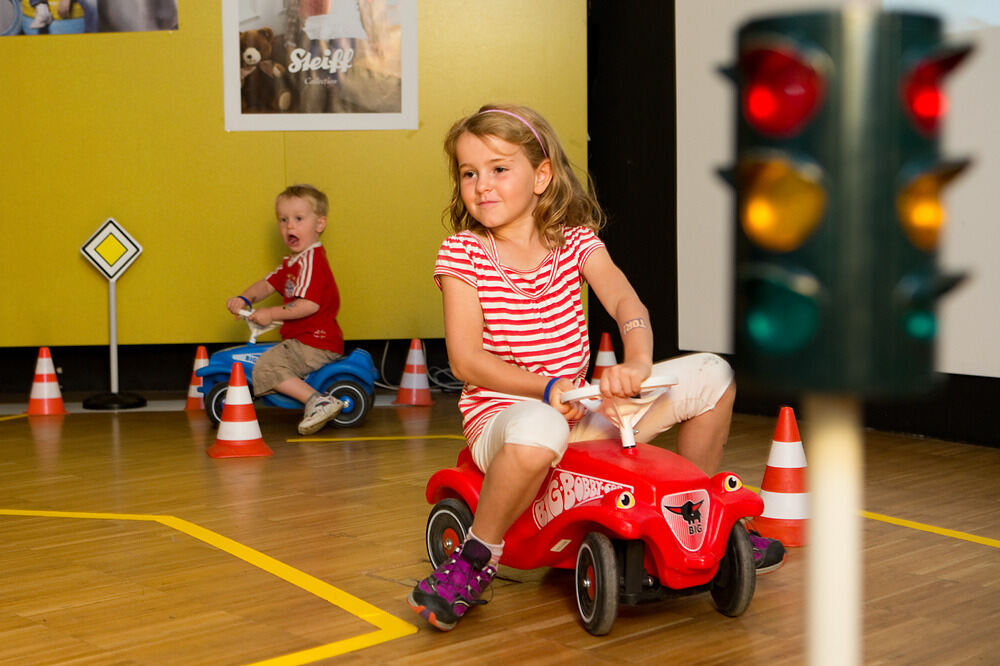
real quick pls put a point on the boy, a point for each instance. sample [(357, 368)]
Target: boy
[(311, 337)]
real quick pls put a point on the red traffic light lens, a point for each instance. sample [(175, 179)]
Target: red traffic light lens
[(921, 87), (923, 97), (782, 91)]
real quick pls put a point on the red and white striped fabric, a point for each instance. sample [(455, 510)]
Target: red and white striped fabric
[(533, 319)]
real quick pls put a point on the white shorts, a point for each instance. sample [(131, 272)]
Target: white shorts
[(701, 380)]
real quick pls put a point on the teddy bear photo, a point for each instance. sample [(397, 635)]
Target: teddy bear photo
[(264, 85)]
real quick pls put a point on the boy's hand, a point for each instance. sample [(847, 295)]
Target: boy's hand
[(235, 304), (262, 317), (625, 379)]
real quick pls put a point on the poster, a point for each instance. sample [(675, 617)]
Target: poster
[(320, 64), (67, 17)]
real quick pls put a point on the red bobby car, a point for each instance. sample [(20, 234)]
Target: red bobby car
[(637, 523)]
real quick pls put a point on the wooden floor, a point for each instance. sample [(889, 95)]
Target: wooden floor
[(124, 543)]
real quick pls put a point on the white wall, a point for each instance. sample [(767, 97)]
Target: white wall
[(706, 34)]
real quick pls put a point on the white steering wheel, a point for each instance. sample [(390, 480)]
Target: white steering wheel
[(623, 412), (594, 390), (255, 329)]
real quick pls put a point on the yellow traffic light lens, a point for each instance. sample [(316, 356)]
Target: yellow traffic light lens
[(781, 203), (920, 211)]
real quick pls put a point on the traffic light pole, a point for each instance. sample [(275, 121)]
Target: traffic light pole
[(834, 450)]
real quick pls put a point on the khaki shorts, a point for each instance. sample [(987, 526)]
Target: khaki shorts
[(701, 381), (285, 360)]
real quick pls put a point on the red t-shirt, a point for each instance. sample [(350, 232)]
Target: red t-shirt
[(308, 275)]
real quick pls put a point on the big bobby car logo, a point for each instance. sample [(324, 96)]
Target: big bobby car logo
[(568, 489)]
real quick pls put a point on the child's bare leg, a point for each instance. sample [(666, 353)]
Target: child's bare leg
[(702, 439), (295, 388), (511, 482)]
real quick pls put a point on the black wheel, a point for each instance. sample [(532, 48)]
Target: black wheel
[(447, 527), (215, 401), (357, 403), (734, 583), (597, 583)]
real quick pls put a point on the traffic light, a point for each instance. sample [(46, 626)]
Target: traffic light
[(839, 212)]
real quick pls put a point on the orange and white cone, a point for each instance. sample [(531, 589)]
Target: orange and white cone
[(414, 388), (605, 357), (196, 399), (45, 396), (786, 498), (239, 432)]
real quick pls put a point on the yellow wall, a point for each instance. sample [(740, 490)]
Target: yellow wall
[(131, 126)]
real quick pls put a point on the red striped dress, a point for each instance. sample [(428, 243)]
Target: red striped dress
[(533, 319)]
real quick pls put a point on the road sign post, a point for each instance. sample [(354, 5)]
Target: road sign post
[(112, 250)]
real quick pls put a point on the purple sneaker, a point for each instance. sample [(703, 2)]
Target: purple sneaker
[(444, 597), (768, 554)]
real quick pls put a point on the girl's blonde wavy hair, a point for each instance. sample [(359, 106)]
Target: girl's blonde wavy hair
[(564, 203)]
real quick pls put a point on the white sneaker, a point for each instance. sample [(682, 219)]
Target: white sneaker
[(43, 17), (319, 413)]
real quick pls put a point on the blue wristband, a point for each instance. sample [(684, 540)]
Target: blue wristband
[(247, 301), (548, 388)]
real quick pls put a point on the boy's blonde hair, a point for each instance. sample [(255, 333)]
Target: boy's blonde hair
[(565, 201), (316, 199)]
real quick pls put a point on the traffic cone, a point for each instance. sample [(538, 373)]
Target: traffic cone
[(414, 388), (239, 432), (605, 357), (196, 399), (45, 396), (786, 498)]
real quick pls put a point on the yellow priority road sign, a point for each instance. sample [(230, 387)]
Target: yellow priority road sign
[(111, 249)]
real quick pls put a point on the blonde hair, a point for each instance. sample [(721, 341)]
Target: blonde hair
[(316, 199), (564, 203)]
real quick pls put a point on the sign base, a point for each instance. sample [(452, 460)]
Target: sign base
[(114, 401)]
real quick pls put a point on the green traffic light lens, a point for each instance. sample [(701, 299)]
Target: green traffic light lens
[(782, 314), (920, 324)]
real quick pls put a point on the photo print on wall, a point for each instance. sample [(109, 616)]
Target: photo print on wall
[(320, 64)]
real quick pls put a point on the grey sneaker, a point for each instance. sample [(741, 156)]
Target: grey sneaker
[(318, 413)]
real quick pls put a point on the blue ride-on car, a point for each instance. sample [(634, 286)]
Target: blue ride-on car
[(350, 379)]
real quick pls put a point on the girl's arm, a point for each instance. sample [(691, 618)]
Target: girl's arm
[(463, 330), (618, 297)]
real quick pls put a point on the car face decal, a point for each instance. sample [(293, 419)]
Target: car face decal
[(687, 513)]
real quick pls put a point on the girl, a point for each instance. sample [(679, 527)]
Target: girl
[(516, 335)]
